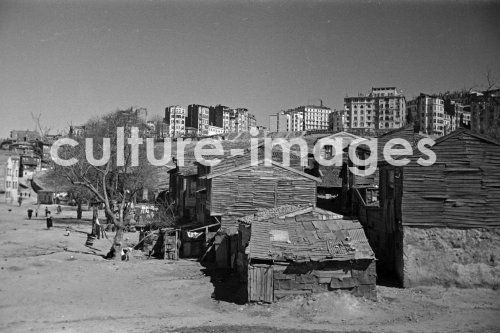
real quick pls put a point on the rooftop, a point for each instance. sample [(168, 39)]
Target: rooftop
[(305, 233)]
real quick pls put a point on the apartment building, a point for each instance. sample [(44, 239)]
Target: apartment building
[(456, 115), (219, 117), (382, 108), (9, 176), (308, 118), (175, 118), (252, 121), (338, 120), (238, 120), (278, 122), (427, 111), (198, 117)]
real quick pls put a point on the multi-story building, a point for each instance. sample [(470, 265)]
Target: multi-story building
[(9, 176), (308, 118), (175, 118), (427, 111), (382, 108), (278, 122), (219, 117), (456, 114), (252, 121), (238, 120), (198, 117), (485, 113), (338, 120), (231, 120)]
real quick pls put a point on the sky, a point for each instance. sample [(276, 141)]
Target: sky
[(68, 61)]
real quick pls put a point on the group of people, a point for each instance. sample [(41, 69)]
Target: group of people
[(48, 214)]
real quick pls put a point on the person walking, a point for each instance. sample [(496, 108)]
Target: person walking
[(46, 211), (30, 213), (97, 228), (49, 220)]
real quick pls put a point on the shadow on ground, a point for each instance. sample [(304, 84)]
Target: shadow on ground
[(227, 284)]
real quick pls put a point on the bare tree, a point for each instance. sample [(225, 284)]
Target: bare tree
[(43, 130), (113, 183)]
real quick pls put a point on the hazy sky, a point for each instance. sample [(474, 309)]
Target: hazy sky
[(70, 60)]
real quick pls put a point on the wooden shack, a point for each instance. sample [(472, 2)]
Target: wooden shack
[(292, 250), (236, 188), (182, 184), (439, 224)]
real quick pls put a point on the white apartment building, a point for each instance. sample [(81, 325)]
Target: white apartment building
[(175, 118), (308, 118), (381, 108), (9, 176), (428, 112)]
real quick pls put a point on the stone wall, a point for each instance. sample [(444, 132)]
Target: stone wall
[(357, 277), (459, 257)]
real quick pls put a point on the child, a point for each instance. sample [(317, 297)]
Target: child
[(125, 253)]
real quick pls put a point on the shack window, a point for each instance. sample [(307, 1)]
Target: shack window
[(279, 236)]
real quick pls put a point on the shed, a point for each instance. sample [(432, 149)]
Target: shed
[(301, 250), (439, 224)]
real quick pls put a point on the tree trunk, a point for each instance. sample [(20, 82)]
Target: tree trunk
[(95, 213), (116, 249), (79, 210)]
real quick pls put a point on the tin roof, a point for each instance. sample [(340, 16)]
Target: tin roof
[(305, 234)]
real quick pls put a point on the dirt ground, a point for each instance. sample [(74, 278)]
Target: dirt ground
[(53, 283)]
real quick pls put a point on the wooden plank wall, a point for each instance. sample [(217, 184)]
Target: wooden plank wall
[(260, 283), (244, 191), (461, 190)]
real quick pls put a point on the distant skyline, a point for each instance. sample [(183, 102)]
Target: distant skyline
[(72, 60)]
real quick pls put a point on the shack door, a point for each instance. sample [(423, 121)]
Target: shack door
[(260, 283)]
